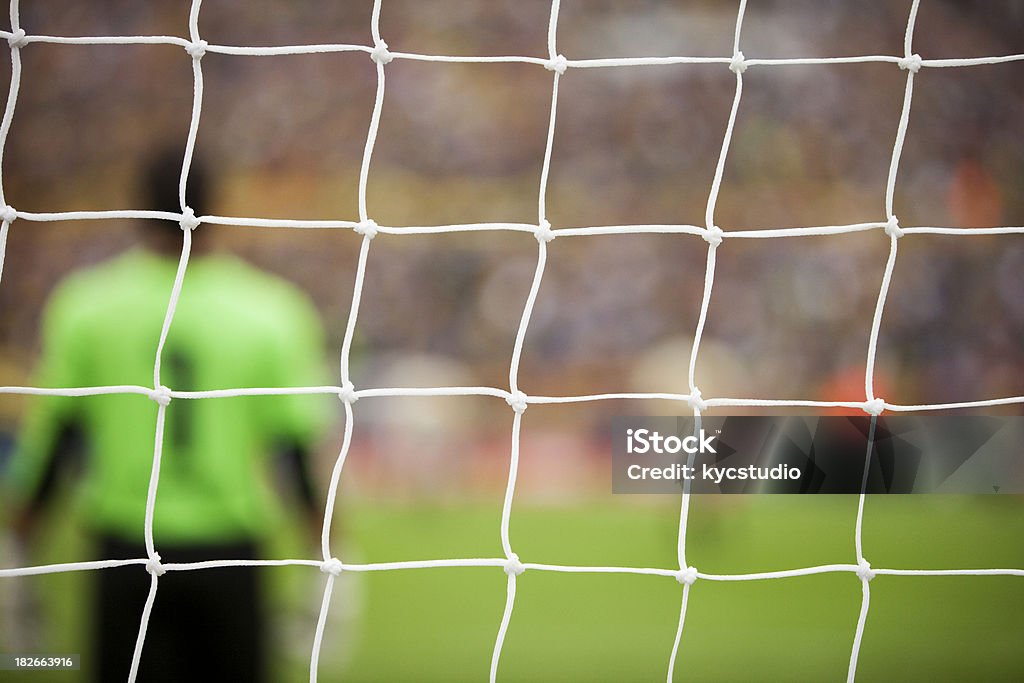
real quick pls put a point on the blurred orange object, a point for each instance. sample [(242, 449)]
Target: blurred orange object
[(974, 197), (848, 385)]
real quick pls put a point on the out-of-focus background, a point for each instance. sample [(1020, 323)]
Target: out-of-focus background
[(789, 318)]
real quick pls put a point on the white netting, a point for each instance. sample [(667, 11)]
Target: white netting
[(519, 401)]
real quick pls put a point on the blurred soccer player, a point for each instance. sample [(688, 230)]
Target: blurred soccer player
[(234, 327)]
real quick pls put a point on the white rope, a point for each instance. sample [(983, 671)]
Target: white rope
[(517, 399), (855, 569), (864, 571), (911, 63), (16, 39), (504, 563), (195, 47), (23, 40), (254, 222), (714, 236), (140, 640), (162, 395), (368, 228), (324, 48), (391, 392)]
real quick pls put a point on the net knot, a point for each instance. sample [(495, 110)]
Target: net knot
[(161, 395), (17, 38), (348, 393), (911, 63), (188, 220), (197, 48), (738, 63), (8, 214), (892, 227), (513, 565), (874, 407), (332, 566), (518, 401), (696, 400), (687, 576), (380, 53), (864, 570), (543, 233), (367, 228), (557, 64), (153, 565), (713, 235)]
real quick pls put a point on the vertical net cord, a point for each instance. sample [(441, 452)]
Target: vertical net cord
[(517, 399), (864, 571), (892, 224), (9, 214), (687, 575), (161, 394), (911, 63), (368, 229)]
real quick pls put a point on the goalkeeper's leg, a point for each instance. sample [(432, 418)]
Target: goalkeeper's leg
[(206, 625)]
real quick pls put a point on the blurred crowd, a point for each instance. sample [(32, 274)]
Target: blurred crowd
[(789, 318)]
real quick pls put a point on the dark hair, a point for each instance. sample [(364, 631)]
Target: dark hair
[(162, 175)]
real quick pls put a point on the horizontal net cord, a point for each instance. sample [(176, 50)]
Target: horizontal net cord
[(655, 228), (63, 567), (838, 568), (350, 394), (79, 391), (24, 39), (782, 61), (867, 406), (435, 391), (984, 403)]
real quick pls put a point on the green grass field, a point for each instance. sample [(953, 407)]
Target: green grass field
[(439, 624)]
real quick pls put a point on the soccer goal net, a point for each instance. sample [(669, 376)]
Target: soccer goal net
[(713, 237)]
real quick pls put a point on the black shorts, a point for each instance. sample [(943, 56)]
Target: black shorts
[(206, 625)]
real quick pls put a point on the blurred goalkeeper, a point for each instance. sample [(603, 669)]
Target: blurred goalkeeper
[(233, 327)]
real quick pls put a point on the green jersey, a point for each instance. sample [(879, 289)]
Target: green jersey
[(234, 327)]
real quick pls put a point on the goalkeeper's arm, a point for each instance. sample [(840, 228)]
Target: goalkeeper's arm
[(294, 458), (65, 454)]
